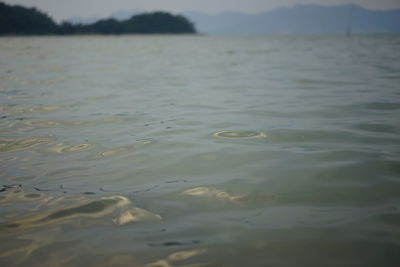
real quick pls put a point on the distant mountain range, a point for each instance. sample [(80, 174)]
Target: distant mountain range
[(119, 15), (293, 20)]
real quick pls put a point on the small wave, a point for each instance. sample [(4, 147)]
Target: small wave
[(210, 193), (240, 134), (91, 209), (42, 123), (136, 214), (382, 106), (29, 109), (7, 146), (61, 148)]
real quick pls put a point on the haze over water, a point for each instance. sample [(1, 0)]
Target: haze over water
[(207, 150)]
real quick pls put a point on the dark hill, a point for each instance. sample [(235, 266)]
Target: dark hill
[(22, 20), (148, 23), (29, 21), (159, 22)]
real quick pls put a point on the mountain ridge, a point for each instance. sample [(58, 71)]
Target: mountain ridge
[(298, 19), (305, 19), (20, 20)]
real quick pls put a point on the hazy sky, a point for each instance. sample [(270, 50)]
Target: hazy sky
[(62, 9)]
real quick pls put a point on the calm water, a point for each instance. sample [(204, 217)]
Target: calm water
[(200, 151)]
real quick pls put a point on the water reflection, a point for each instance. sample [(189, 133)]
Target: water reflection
[(135, 215), (112, 152), (211, 193), (16, 193), (176, 257), (124, 149), (42, 123), (127, 167), (19, 109), (62, 148), (240, 134), (88, 209), (7, 146), (26, 245)]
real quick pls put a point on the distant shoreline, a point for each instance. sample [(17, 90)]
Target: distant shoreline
[(104, 35), (202, 35)]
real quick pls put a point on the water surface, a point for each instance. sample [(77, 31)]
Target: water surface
[(200, 151)]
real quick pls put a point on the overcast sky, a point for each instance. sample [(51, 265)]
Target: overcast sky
[(62, 9)]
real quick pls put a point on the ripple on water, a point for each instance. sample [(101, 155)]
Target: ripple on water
[(62, 148), (136, 214), (42, 123), (99, 121), (382, 106), (240, 134), (375, 127), (19, 109), (87, 209), (7, 124), (112, 152), (124, 149), (7, 146), (211, 193), (15, 193), (178, 256)]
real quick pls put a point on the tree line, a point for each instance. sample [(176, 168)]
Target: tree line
[(20, 20)]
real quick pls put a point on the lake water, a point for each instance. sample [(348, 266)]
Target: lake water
[(200, 151)]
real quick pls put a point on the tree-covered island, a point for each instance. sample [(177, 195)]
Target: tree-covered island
[(18, 20)]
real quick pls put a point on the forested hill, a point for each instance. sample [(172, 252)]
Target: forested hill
[(18, 20), (157, 22), (21, 20)]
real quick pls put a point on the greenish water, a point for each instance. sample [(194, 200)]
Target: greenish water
[(200, 151)]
